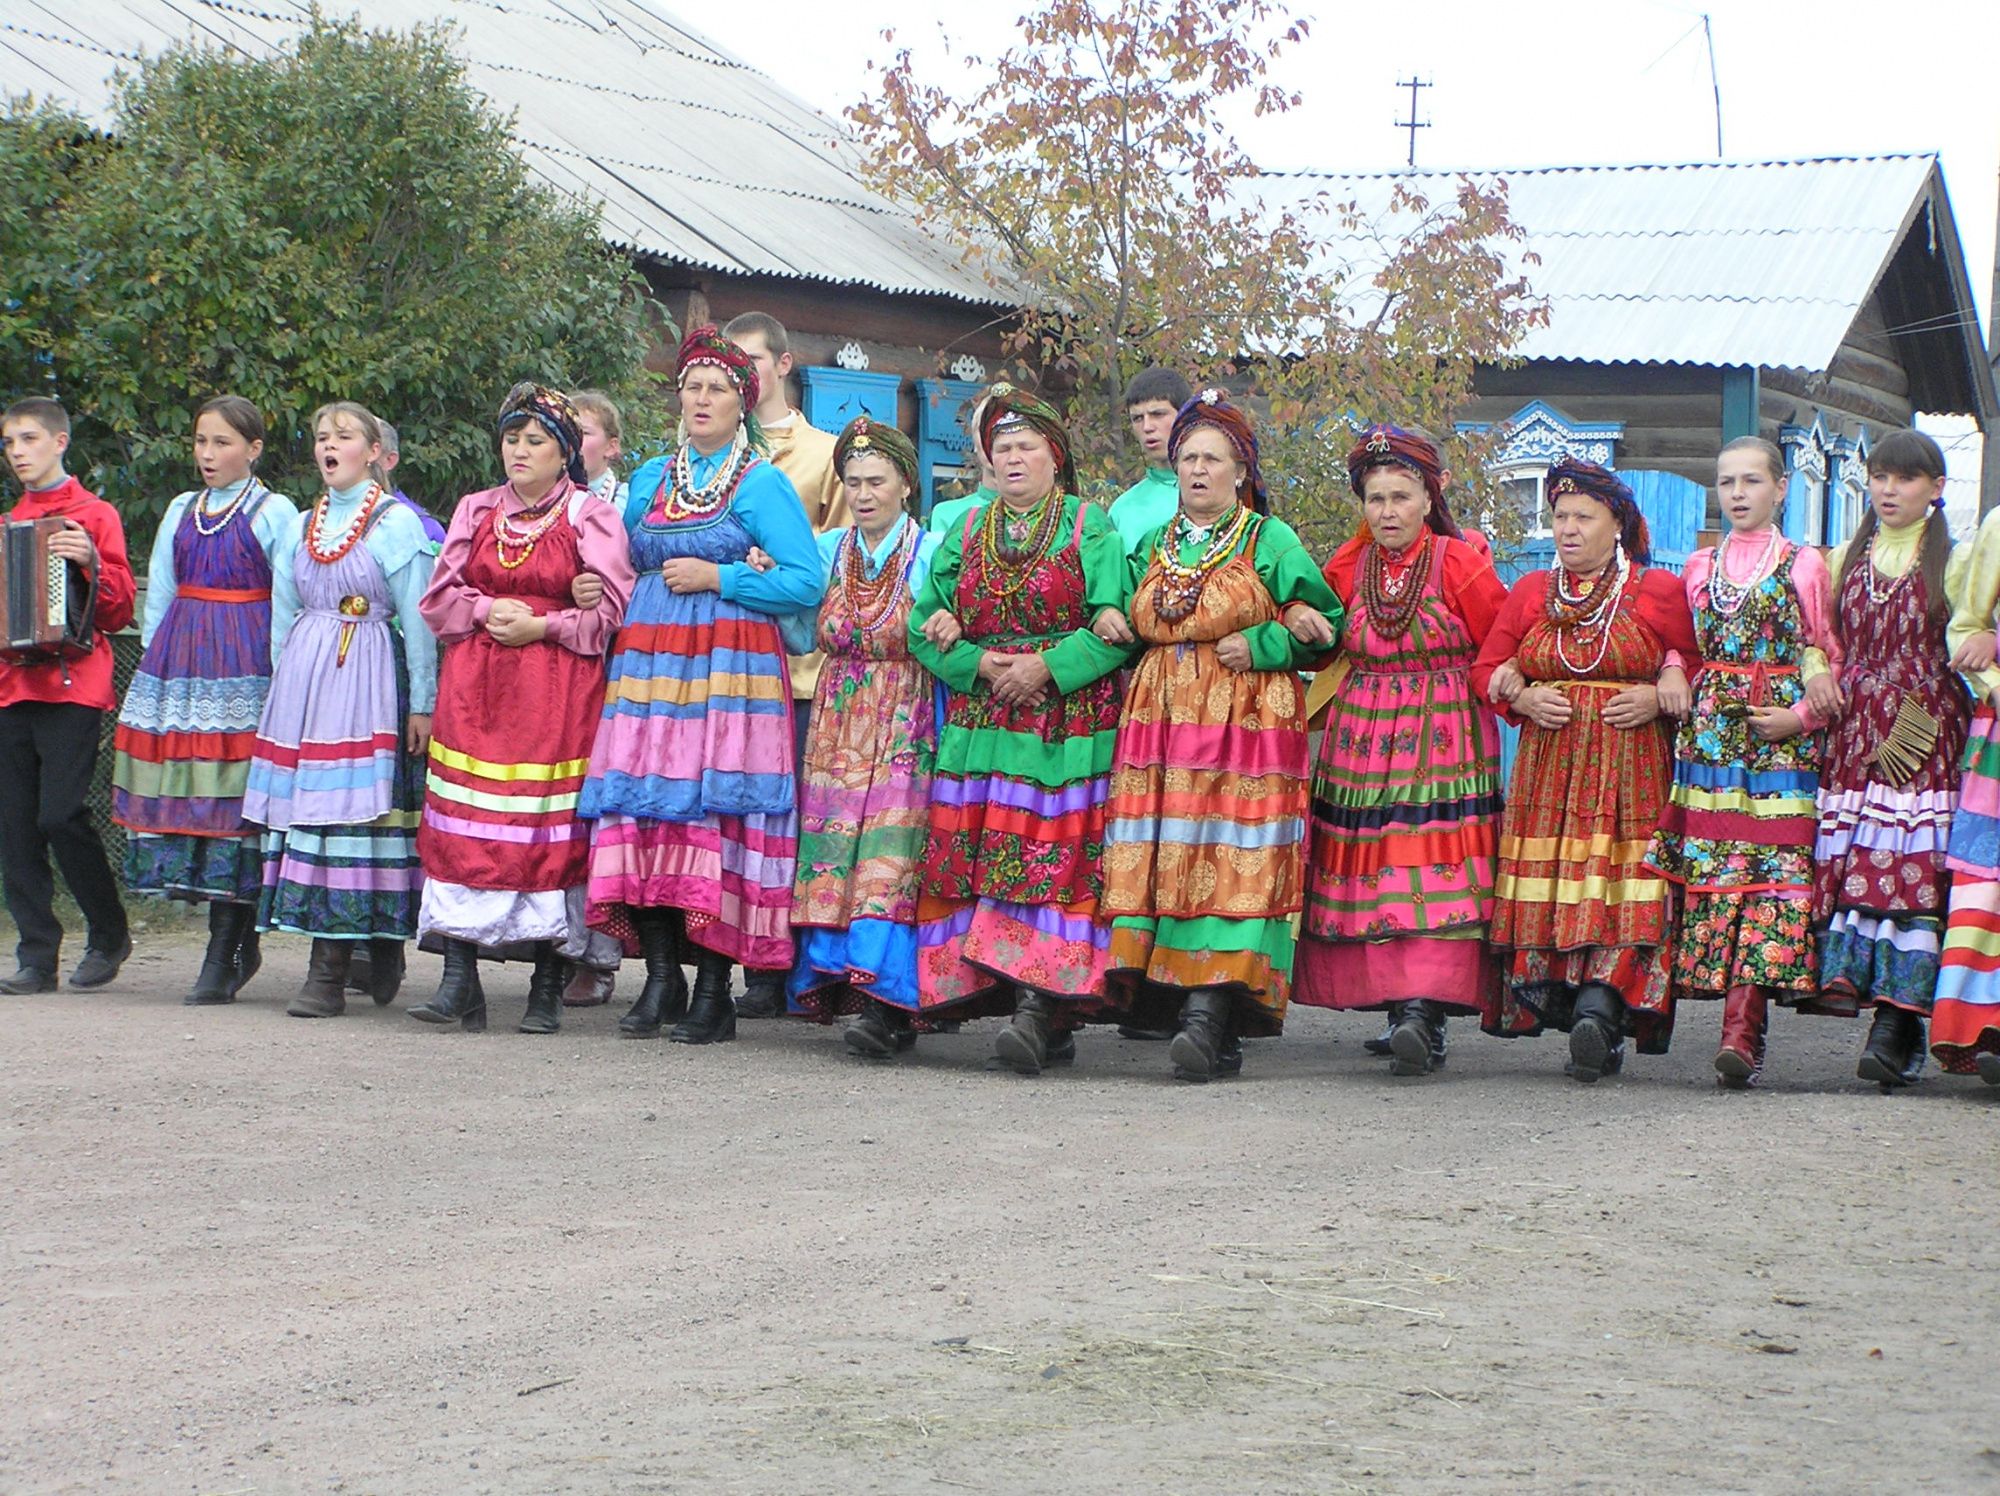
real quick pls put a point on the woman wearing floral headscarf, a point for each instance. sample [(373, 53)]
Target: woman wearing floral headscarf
[(520, 686), (1009, 921), (1406, 794), (1204, 841), (1586, 657), (691, 782)]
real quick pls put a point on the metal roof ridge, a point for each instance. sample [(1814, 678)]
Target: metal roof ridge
[(880, 205), (1391, 173)]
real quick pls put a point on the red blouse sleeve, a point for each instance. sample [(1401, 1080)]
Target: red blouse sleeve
[(1661, 604), (1472, 588), (1517, 615), (1341, 568)]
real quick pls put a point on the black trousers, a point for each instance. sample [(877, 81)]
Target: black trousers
[(48, 752)]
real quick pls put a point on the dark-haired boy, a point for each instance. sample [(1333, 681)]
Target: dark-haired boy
[(1152, 400), (52, 722)]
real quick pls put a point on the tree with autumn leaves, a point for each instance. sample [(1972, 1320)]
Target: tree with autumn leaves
[(1090, 172)]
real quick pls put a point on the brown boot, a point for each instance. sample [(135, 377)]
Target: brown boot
[(1739, 1063), (323, 994), (588, 987)]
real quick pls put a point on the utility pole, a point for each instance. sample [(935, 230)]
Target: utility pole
[(1413, 124), (1708, 35)]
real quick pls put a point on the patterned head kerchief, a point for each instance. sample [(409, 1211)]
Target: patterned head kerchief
[(1008, 409), (1382, 445), (707, 345), (864, 434), (1573, 475), (552, 411), (1212, 408)]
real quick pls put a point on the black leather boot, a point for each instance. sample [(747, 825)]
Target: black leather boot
[(249, 952), (1023, 1046), (386, 965), (545, 988), (217, 983), (1197, 1049), (1597, 1033), (1414, 1040), (459, 998), (1988, 1065), (879, 1032), (1894, 1054), (711, 1016), (1440, 1045), (1382, 1043), (763, 994), (664, 998), (323, 994)]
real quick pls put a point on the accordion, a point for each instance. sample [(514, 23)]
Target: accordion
[(47, 605)]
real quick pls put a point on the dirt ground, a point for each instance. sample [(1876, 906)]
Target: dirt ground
[(244, 1253)]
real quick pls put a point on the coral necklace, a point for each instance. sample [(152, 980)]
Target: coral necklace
[(509, 533), (1178, 592), (870, 601), (1008, 569), (1582, 608), (357, 527), (1391, 597)]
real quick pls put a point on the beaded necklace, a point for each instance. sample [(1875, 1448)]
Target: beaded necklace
[(1391, 597), (1582, 608), (1879, 595), (1008, 570), (509, 534), (1725, 597), (681, 500), (220, 517), (869, 602), (316, 526), (1178, 591)]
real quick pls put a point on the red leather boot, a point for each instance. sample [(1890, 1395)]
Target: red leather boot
[(1739, 1063)]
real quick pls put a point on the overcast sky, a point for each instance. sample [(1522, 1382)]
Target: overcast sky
[(1535, 82)]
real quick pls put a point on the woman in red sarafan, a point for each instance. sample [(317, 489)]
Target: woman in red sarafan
[(520, 689), (1588, 657)]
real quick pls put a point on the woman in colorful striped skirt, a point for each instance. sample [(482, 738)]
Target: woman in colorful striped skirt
[(336, 777), (1009, 919), (1586, 657), (1736, 837), (1406, 794), (691, 781), (189, 717), (864, 799), (1205, 829), (504, 856), (1965, 1020), (1889, 783)]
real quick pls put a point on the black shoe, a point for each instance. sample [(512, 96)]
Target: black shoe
[(1893, 1057), (545, 989), (1597, 1033), (29, 979), (872, 1036), (1230, 1060), (763, 995), (459, 998), (1382, 1044), (99, 968), (386, 966), (360, 968), (1197, 1049), (711, 1016), (249, 952), (1989, 1068), (1414, 1040), (664, 998), (217, 981), (1440, 1045), (1152, 1035)]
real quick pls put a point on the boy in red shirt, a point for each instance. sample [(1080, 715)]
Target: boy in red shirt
[(52, 722)]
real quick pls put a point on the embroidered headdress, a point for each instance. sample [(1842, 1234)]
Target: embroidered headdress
[(553, 412), (1011, 409), (1212, 408), (867, 436), (1381, 446), (1573, 475)]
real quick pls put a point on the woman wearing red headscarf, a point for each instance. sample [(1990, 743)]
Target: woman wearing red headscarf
[(691, 782), (1208, 790), (1587, 657), (1406, 794)]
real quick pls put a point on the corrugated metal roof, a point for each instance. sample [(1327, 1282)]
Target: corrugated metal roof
[(1759, 263), (695, 156)]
